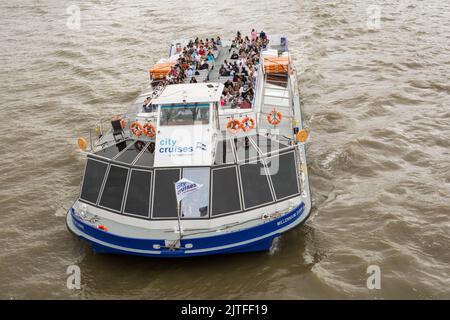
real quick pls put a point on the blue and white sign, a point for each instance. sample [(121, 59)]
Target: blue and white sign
[(185, 187), (183, 146)]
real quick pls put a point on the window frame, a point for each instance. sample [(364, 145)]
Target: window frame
[(269, 182), (296, 176), (150, 195), (103, 181), (208, 216), (124, 190), (153, 193), (188, 105), (238, 181)]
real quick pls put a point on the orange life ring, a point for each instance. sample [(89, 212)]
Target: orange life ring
[(82, 143), (274, 117), (302, 135), (149, 130), (247, 124), (233, 125), (123, 123), (136, 128)]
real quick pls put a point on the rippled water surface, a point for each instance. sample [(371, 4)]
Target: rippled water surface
[(376, 103)]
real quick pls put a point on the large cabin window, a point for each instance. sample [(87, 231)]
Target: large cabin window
[(164, 200), (184, 114), (93, 180), (196, 204), (255, 185), (114, 188), (225, 191), (282, 171), (138, 198)]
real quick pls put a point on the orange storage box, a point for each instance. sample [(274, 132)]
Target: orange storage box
[(160, 70), (276, 64)]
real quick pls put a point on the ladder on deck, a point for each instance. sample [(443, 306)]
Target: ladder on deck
[(277, 95)]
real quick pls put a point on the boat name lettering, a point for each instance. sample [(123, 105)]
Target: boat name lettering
[(287, 219)]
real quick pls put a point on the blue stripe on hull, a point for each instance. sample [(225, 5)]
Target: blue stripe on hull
[(257, 238), (260, 245)]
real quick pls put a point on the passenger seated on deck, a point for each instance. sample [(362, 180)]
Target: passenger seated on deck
[(193, 80), (234, 56), (190, 71), (234, 102), (223, 72), (245, 104), (210, 56), (233, 45), (228, 83), (228, 98), (262, 35), (204, 65), (201, 51)]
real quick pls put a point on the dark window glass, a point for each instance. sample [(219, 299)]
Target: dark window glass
[(138, 198), (267, 145), (283, 175), (244, 148), (164, 200), (111, 152), (224, 152), (114, 187), (184, 114), (131, 153), (255, 185), (147, 158), (225, 190), (93, 179)]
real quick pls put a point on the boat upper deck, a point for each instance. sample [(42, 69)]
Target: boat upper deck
[(243, 79)]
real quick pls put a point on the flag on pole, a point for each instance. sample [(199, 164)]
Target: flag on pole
[(185, 187)]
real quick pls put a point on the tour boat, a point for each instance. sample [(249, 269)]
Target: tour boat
[(246, 162)]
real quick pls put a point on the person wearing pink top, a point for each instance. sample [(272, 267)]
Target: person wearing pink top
[(254, 34)]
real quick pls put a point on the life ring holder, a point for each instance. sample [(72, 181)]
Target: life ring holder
[(274, 117), (136, 128), (233, 126), (245, 126)]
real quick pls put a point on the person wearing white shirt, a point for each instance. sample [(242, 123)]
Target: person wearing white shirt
[(190, 72)]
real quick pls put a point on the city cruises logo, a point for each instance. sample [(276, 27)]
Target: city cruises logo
[(170, 146)]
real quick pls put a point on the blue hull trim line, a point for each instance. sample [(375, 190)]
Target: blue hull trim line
[(258, 238)]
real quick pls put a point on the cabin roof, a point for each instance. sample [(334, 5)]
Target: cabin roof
[(190, 92)]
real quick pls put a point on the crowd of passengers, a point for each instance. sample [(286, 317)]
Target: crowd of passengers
[(242, 67), (198, 55)]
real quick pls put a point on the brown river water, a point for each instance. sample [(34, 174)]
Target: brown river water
[(375, 94)]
